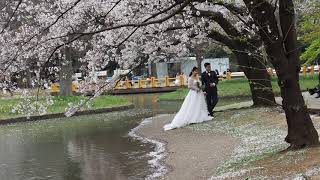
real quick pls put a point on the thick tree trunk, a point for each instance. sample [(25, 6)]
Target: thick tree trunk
[(301, 131), (199, 62), (66, 74), (253, 66), (258, 78), (28, 78), (284, 56), (261, 88)]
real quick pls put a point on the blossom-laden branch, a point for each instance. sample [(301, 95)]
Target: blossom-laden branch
[(76, 35), (121, 31), (105, 87), (7, 24)]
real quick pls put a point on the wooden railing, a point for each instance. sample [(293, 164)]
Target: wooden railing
[(179, 81), (152, 82), (310, 69), (55, 88), (175, 82), (304, 70)]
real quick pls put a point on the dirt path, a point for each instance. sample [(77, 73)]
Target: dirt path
[(191, 154)]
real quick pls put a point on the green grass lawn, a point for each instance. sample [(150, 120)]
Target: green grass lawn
[(61, 103), (239, 88)]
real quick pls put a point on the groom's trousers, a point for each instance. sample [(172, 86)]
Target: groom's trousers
[(212, 100)]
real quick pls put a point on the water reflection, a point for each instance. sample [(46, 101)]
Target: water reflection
[(150, 101), (87, 147)]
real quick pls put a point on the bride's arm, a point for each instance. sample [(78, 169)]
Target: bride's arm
[(191, 85)]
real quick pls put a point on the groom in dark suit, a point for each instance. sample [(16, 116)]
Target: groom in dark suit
[(210, 80)]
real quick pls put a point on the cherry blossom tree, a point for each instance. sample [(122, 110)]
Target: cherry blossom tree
[(277, 29), (235, 29), (67, 22), (133, 32), (38, 31)]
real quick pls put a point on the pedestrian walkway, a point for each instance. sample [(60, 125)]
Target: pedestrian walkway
[(312, 102), (189, 154)]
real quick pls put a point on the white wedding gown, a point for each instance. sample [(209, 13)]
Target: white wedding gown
[(193, 110)]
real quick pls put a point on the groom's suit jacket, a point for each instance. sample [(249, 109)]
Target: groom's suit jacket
[(207, 78)]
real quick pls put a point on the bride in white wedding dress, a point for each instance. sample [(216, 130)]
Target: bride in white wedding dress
[(194, 108)]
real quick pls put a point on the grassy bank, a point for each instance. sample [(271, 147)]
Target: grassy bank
[(239, 88), (61, 103)]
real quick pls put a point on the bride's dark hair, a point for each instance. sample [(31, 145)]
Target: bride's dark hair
[(193, 69)]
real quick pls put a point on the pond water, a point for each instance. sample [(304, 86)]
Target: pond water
[(95, 147)]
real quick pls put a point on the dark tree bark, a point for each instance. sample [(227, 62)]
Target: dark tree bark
[(66, 74), (259, 80), (253, 66), (280, 41), (28, 78), (199, 60), (199, 52)]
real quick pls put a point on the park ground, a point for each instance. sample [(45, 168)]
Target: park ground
[(238, 144)]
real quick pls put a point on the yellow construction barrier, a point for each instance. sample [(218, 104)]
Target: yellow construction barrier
[(139, 83), (312, 70), (74, 87), (181, 78), (228, 75), (54, 88), (167, 81), (304, 70), (118, 84), (128, 84), (153, 82)]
